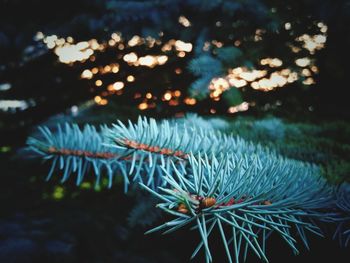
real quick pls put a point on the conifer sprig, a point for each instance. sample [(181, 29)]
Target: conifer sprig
[(74, 150), (245, 200)]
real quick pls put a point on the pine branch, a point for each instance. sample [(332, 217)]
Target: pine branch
[(75, 150), (154, 147), (343, 203), (246, 200), (205, 178)]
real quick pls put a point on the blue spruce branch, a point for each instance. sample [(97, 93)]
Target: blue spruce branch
[(205, 178), (343, 203), (246, 200), (74, 150)]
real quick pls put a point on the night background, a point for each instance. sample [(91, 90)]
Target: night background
[(273, 72)]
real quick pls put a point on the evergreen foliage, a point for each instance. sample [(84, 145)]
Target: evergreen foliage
[(343, 203), (205, 178), (75, 150), (247, 200)]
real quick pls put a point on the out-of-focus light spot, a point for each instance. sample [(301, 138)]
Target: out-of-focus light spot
[(181, 54), (323, 27), (258, 34), (58, 193), (241, 107), (162, 59), (184, 21), (130, 58), (190, 101), (130, 78), (149, 95), (178, 71), (150, 41), (94, 70), (116, 37), (103, 102), (303, 62), (292, 77), (86, 185), (278, 79), (285, 72), (86, 74), (287, 26), (169, 45), (177, 93), (5, 86), (252, 75), (115, 68), (237, 70), (255, 85), (309, 81), (237, 43), (121, 46), (93, 43), (6, 105), (111, 42), (143, 106), (74, 109), (238, 83), (242, 76), (98, 83), (182, 46), (306, 72), (39, 36), (5, 149), (118, 85), (218, 44), (97, 99), (275, 80), (295, 49), (137, 95), (312, 43), (107, 68), (68, 52), (320, 39), (212, 111), (218, 86), (70, 39), (173, 103), (314, 69), (149, 61), (50, 41), (167, 95), (238, 77), (272, 62), (100, 101), (206, 46), (135, 40)]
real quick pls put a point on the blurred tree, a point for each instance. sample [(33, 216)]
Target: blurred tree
[(265, 36)]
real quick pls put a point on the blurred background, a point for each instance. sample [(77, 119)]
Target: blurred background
[(273, 72)]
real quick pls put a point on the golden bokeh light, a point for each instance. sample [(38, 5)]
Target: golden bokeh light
[(167, 96), (86, 74), (130, 78), (303, 62), (184, 21), (98, 83), (143, 106), (190, 101), (118, 85)]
